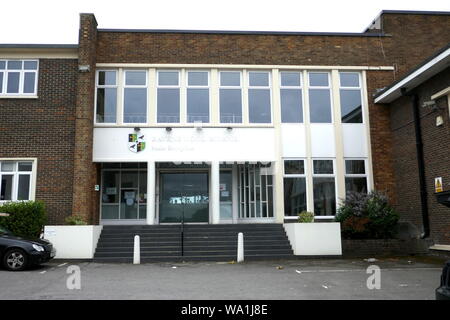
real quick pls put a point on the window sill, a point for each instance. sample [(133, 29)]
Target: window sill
[(18, 97)]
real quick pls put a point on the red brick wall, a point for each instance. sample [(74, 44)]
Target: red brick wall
[(44, 128)]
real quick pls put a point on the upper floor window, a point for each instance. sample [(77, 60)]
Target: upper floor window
[(259, 106), (291, 97), (350, 95), (230, 97), (18, 77), (319, 97), (198, 96), (135, 96), (106, 96), (168, 97), (15, 180)]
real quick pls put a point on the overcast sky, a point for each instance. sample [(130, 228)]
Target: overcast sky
[(53, 21)]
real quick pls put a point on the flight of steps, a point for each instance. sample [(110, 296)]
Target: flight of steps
[(201, 242)]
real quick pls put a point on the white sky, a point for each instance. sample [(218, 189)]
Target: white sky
[(57, 21)]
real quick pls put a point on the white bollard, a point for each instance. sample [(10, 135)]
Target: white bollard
[(137, 250), (240, 248)]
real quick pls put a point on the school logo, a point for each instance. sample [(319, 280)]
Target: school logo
[(136, 142)]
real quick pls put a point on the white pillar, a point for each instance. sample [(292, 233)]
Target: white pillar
[(240, 252), (151, 191), (215, 198), (137, 250)]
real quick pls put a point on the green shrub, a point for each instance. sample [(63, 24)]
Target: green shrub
[(26, 218), (305, 217), (367, 216), (75, 220)]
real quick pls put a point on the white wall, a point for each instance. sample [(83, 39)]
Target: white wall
[(315, 239), (355, 140)]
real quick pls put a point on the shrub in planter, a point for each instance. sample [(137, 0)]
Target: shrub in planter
[(367, 216), (75, 220), (26, 218), (305, 217)]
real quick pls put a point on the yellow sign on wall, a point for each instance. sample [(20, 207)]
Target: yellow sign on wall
[(438, 184)]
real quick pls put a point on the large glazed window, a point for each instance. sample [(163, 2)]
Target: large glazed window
[(230, 93), (135, 96), (197, 96), (319, 97), (18, 77), (15, 180), (291, 97), (324, 188), (350, 96), (259, 106), (294, 187), (106, 96), (168, 97)]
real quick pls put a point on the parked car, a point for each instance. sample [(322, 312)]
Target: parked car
[(443, 292), (17, 253)]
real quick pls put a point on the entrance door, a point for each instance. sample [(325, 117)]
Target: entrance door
[(184, 197)]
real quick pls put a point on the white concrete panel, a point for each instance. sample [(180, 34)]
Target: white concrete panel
[(355, 140), (186, 144), (322, 140), (293, 140)]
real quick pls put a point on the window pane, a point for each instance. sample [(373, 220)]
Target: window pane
[(25, 166), (13, 82), (6, 187), (134, 78), (8, 166), (259, 79), (107, 78), (110, 211), (291, 106), (259, 106), (110, 193), (230, 106), (2, 65), (197, 78), (358, 184), (355, 167), (1, 82), (198, 105), (23, 192), (129, 179), (323, 166), (135, 105), (230, 78), (168, 105), (29, 81), (351, 109), (290, 79), (320, 106), (30, 65), (294, 167), (318, 79), (106, 105), (349, 79), (324, 196), (14, 65), (294, 196), (168, 78)]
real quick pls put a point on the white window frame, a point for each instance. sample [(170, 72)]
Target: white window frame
[(158, 86), (116, 86), (360, 88), (357, 175), (22, 71), (125, 86), (300, 88), (325, 175), (208, 86), (329, 88), (16, 173), (295, 175), (240, 87), (268, 87)]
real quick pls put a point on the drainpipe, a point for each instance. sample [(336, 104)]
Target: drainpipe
[(420, 163)]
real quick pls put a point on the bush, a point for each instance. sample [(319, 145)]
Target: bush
[(26, 218), (367, 216), (75, 220), (305, 217)]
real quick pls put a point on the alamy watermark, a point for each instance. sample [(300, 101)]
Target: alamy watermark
[(74, 279), (374, 280)]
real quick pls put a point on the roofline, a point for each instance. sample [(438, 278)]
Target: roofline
[(243, 32), (38, 46), (389, 93)]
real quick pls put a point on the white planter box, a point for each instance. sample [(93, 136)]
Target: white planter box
[(315, 239), (73, 242)]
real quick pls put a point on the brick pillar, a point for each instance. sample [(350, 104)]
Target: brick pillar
[(85, 171)]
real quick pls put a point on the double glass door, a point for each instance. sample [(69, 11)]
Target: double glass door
[(184, 196)]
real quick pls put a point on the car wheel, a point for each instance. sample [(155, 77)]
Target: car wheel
[(15, 260)]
